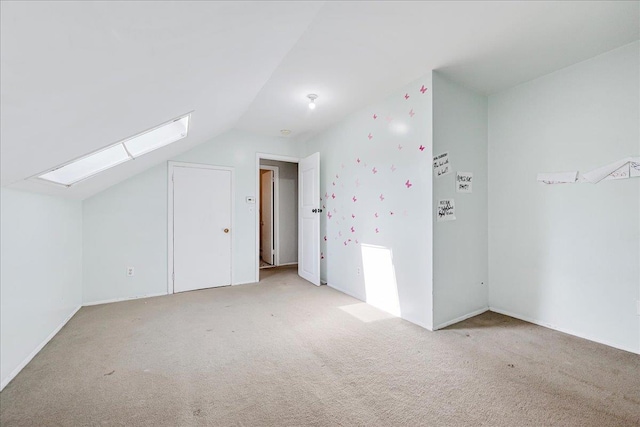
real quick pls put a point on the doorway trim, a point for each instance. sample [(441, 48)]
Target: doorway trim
[(266, 156), (171, 165), (276, 212)]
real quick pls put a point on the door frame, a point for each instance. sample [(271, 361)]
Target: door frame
[(275, 214), (171, 165), (265, 156)]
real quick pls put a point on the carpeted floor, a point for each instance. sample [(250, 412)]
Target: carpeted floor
[(286, 353)]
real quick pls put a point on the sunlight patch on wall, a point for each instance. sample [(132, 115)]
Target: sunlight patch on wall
[(380, 278)]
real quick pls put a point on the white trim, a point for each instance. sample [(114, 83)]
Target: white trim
[(264, 156), (461, 318), (276, 212), (288, 263), (171, 165), (351, 294), (108, 301), (33, 354), (563, 330)]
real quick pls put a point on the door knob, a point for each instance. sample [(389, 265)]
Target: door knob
[(226, 230)]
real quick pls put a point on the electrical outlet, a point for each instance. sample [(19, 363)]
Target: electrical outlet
[(130, 271)]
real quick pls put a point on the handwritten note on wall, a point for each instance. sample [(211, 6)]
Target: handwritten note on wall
[(446, 210), (635, 168), (464, 182), (441, 165)]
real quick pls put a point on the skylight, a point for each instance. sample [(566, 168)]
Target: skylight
[(131, 148)]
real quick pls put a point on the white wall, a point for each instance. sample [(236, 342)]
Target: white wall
[(126, 225), (288, 207), (460, 260), (567, 256), (40, 273), (384, 260)]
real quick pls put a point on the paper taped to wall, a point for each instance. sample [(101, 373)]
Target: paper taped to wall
[(625, 168), (441, 165), (464, 182), (446, 210), (558, 177)]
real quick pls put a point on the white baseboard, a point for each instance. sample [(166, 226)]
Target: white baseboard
[(461, 318), (33, 354), (107, 301), (563, 330), (351, 294), (287, 263), (363, 299)]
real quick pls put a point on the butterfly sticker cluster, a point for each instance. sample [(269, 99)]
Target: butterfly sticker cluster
[(355, 208)]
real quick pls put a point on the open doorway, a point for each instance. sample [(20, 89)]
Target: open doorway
[(277, 214)]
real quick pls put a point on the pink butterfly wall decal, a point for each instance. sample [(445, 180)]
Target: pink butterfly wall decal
[(393, 168), (376, 214), (337, 176), (375, 116), (370, 136), (353, 216), (421, 148), (408, 184), (353, 230), (326, 195), (329, 215), (325, 238), (345, 243), (390, 212), (356, 241), (411, 113), (406, 96), (423, 89), (358, 160), (377, 231), (374, 170), (399, 147), (340, 233), (334, 183), (333, 195), (381, 197)]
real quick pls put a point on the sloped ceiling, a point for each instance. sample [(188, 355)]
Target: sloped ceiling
[(77, 76)]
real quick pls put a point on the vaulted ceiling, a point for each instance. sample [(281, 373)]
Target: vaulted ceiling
[(78, 76)]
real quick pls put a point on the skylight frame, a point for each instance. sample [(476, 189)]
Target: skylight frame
[(108, 147)]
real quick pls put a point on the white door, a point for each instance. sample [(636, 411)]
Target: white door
[(266, 216), (309, 218), (201, 228)]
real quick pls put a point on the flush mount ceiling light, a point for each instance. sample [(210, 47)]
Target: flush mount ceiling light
[(285, 132), (312, 100), (120, 152)]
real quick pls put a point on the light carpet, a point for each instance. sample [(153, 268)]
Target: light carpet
[(286, 353)]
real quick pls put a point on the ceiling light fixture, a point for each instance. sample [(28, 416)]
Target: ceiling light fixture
[(312, 100), (285, 132)]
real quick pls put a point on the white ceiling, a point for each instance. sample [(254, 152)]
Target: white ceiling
[(77, 76)]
